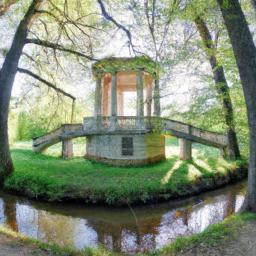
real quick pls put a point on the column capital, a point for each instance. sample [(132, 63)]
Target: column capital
[(114, 73), (99, 76)]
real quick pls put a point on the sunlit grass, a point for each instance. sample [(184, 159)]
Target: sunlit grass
[(169, 174), (193, 172), (49, 177)]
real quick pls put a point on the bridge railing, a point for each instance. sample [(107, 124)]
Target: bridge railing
[(57, 133), (212, 137), (106, 124), (47, 137), (158, 124)]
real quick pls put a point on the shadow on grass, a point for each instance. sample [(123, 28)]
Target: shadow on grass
[(202, 170)]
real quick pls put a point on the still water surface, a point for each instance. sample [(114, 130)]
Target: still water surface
[(142, 228)]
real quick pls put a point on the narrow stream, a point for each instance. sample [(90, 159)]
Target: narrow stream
[(142, 228)]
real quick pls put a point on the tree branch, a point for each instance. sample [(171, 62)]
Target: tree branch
[(49, 84), (120, 26), (57, 47)]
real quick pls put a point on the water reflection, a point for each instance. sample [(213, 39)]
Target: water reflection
[(128, 230)]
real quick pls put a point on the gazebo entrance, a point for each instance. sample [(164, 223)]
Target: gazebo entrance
[(127, 93)]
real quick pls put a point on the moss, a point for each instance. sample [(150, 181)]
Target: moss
[(112, 65)]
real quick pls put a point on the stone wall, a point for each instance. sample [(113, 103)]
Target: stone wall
[(146, 148)]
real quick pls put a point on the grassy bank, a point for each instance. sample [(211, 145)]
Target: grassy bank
[(15, 244), (224, 234), (50, 178)]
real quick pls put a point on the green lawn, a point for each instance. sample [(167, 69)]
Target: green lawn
[(54, 179)]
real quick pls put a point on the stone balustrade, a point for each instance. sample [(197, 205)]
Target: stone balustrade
[(104, 124)]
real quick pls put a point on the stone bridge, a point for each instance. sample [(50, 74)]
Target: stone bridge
[(130, 125)]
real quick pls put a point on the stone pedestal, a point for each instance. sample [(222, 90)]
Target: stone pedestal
[(185, 149), (67, 149), (114, 150)]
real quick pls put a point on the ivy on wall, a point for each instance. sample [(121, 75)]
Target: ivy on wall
[(112, 65)]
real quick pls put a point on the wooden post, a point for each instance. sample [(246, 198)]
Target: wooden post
[(185, 149), (67, 149), (113, 122), (98, 98), (157, 107)]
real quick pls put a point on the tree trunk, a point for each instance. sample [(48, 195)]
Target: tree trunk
[(222, 88), (245, 53), (7, 76)]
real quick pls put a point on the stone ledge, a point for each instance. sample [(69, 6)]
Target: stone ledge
[(126, 162)]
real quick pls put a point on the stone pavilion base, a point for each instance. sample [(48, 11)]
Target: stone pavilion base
[(126, 150)]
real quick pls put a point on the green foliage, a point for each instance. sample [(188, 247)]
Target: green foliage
[(42, 115), (111, 65), (53, 179), (27, 128), (22, 126)]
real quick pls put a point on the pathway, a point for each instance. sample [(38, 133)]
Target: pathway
[(244, 244), (13, 247)]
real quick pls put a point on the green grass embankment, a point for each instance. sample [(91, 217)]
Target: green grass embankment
[(53, 179), (216, 236)]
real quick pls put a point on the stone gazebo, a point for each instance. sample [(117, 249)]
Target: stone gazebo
[(117, 138)]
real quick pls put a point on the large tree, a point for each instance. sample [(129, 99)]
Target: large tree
[(221, 86), (7, 75), (245, 54), (68, 24)]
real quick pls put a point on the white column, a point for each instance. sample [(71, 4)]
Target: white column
[(149, 99), (113, 101), (139, 84), (157, 107), (98, 98), (140, 105), (67, 149), (185, 149)]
